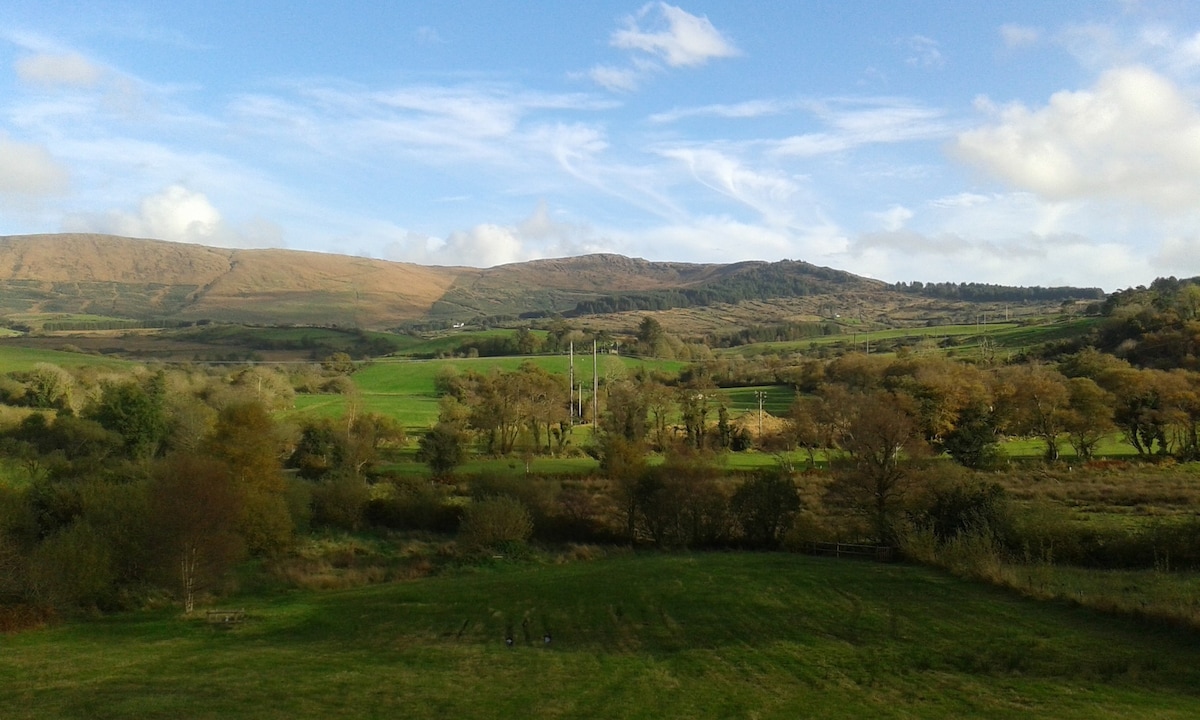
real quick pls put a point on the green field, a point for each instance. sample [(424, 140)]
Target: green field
[(404, 389), (20, 359), (695, 636), (961, 339)]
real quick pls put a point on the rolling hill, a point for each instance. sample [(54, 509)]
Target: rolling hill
[(146, 279)]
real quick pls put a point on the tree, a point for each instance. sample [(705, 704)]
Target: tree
[(881, 438), (652, 339), (136, 412), (623, 462), (1034, 401), (49, 386), (442, 448), (973, 440), (1089, 416), (625, 410), (765, 505), (245, 439), (196, 509)]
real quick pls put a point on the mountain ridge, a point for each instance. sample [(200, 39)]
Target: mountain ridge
[(146, 278)]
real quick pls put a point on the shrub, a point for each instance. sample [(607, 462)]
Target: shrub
[(72, 570), (498, 523), (764, 506), (339, 501)]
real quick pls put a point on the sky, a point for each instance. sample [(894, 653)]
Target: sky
[(1023, 142)]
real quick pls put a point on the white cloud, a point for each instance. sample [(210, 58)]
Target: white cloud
[(686, 40), (959, 200), (488, 244), (615, 78), (923, 52), (890, 122), (1134, 137), (178, 215), (29, 169), (894, 218), (59, 69), (748, 109), (661, 33), (770, 193), (427, 36), (1026, 259), (1015, 36)]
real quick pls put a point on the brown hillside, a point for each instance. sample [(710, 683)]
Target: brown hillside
[(129, 277), (73, 258)]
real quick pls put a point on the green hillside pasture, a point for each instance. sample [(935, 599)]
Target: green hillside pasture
[(20, 359), (453, 339), (320, 341), (656, 636), (777, 400), (961, 339)]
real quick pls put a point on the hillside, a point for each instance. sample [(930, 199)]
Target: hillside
[(143, 279), (151, 279)]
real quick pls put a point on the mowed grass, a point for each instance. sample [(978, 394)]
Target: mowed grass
[(654, 636)]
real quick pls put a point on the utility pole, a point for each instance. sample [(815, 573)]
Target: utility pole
[(761, 395), (595, 391), (571, 384)]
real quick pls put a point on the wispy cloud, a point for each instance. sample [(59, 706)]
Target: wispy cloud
[(661, 33), (1016, 36), (678, 37), (748, 109), (850, 125), (28, 169), (923, 52), (70, 69)]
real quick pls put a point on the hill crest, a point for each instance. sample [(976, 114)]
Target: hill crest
[(154, 279)]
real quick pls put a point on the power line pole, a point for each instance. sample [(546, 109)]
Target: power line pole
[(761, 395), (595, 391)]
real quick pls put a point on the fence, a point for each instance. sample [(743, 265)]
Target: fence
[(879, 553)]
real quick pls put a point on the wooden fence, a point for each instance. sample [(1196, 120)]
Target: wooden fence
[(879, 553)]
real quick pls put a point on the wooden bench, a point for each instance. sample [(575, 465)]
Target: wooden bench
[(225, 617)]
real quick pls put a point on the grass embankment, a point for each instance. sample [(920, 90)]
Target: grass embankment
[(720, 635)]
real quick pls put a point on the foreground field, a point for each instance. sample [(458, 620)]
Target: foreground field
[(721, 635)]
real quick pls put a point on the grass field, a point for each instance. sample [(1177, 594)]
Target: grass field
[(18, 359), (404, 389), (959, 339), (696, 636)]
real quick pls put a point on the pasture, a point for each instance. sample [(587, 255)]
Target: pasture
[(632, 636)]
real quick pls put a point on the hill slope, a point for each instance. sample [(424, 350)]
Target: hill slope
[(137, 278), (153, 279)]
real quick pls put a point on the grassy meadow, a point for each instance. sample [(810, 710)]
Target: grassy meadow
[(632, 636)]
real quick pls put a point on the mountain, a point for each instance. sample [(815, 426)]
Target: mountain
[(156, 280)]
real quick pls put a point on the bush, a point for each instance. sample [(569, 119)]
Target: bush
[(339, 501), (764, 506), (414, 505), (72, 570), (499, 523)]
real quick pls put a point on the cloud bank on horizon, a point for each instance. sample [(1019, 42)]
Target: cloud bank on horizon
[(1035, 143)]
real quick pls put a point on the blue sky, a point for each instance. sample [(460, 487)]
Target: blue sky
[(1033, 143)]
